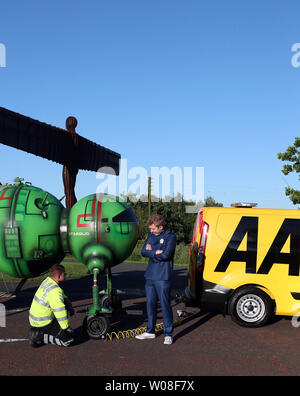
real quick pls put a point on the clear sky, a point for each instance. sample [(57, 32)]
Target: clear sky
[(186, 83)]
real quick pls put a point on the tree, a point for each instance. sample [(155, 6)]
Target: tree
[(173, 210), (209, 201), (292, 154)]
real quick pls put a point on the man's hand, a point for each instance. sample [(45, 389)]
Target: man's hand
[(158, 251), (148, 246)]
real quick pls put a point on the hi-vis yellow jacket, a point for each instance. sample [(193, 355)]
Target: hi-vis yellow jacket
[(47, 303)]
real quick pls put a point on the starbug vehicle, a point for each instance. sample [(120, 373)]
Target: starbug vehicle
[(245, 262), (37, 231)]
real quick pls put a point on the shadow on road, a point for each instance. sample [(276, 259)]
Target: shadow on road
[(126, 277)]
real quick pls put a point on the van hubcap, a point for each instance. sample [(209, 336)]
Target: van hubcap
[(250, 308)]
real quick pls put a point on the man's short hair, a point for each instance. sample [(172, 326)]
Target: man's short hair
[(157, 220), (57, 269)]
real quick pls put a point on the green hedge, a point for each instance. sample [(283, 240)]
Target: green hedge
[(181, 254)]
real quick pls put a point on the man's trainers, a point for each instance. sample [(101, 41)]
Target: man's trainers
[(145, 336), (168, 340)]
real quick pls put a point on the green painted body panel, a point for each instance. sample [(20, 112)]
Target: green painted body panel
[(95, 220), (29, 224), (36, 231)]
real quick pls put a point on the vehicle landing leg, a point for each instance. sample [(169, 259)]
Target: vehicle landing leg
[(97, 323)]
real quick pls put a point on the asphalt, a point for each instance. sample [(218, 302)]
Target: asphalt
[(205, 344)]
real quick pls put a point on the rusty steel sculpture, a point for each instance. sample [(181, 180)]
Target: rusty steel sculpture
[(64, 146)]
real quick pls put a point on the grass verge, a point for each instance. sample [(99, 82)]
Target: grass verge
[(75, 269)]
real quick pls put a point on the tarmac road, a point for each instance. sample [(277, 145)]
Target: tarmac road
[(204, 344)]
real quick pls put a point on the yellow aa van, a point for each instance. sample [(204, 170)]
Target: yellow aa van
[(245, 262)]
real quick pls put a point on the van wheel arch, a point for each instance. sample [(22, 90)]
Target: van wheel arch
[(251, 305)]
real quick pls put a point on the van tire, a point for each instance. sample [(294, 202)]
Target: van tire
[(250, 307)]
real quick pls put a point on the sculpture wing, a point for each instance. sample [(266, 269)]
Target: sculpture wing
[(53, 143), (92, 156)]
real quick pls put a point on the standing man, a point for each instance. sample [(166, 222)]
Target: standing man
[(48, 314), (159, 248)]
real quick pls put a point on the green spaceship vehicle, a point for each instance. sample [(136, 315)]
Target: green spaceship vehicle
[(100, 231)]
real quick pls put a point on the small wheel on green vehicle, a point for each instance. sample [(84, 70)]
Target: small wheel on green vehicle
[(114, 303), (251, 307), (105, 301), (96, 326)]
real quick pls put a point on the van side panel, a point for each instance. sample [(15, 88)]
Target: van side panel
[(247, 246)]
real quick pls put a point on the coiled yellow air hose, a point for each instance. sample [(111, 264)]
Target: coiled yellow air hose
[(132, 333)]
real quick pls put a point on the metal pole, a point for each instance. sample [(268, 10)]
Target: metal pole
[(149, 196)]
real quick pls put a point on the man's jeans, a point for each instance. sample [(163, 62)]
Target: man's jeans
[(159, 290)]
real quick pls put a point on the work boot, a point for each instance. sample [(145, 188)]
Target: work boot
[(35, 337)]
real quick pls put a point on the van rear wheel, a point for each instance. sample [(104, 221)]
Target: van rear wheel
[(250, 307)]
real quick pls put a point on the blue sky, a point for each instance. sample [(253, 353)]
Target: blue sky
[(163, 82)]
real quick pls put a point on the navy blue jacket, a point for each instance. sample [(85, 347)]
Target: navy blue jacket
[(160, 266)]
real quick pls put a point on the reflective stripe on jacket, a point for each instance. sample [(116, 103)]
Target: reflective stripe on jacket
[(47, 303)]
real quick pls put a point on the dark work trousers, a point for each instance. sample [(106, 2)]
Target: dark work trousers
[(159, 290), (53, 334)]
